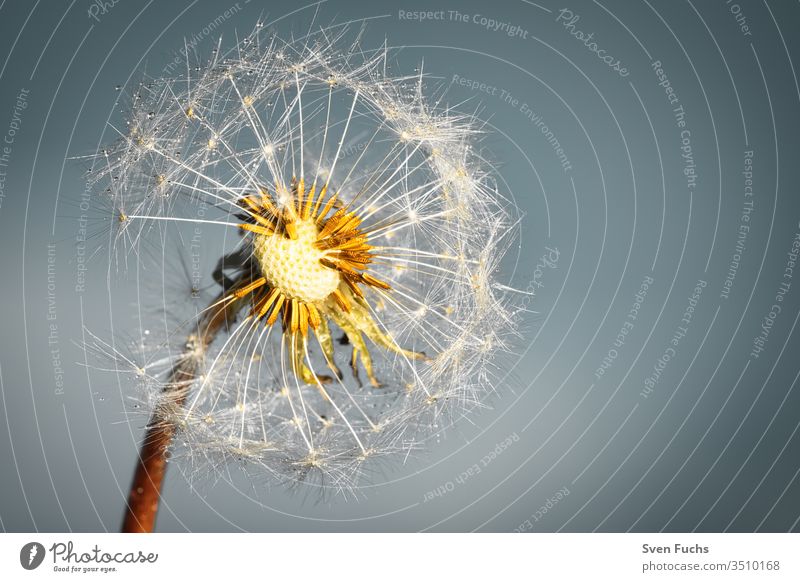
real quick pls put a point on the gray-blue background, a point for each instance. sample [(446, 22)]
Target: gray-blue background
[(713, 446)]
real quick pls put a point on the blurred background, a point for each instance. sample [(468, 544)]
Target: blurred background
[(652, 149)]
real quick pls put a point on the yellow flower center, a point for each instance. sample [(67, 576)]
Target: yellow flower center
[(313, 266), (293, 265)]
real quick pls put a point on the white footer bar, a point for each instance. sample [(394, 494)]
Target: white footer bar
[(407, 557)]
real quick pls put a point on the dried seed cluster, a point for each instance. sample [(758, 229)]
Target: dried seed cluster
[(370, 234)]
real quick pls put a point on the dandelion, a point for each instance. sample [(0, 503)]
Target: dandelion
[(358, 308)]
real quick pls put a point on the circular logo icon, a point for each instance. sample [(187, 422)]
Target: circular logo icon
[(31, 555)]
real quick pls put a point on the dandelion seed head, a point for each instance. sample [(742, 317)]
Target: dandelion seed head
[(359, 304)]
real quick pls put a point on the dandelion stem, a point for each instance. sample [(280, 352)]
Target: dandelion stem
[(145, 492)]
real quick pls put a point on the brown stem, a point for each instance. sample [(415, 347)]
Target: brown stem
[(145, 492)]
